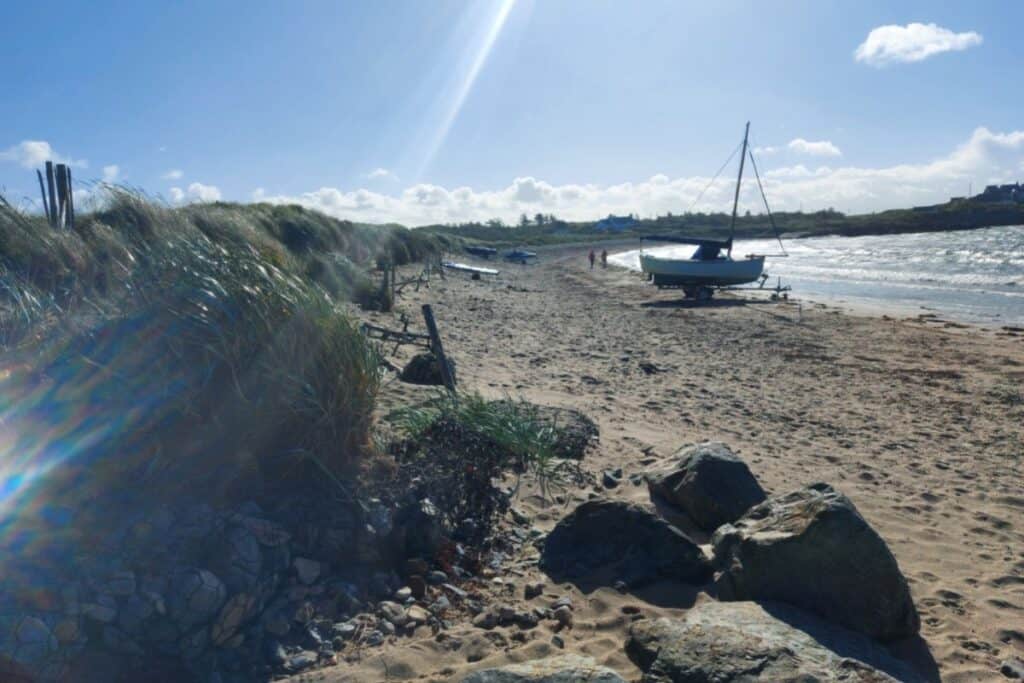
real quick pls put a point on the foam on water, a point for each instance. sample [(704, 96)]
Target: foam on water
[(972, 275)]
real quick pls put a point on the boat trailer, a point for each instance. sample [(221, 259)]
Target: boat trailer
[(701, 293)]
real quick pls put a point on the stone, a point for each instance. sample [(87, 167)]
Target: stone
[(532, 590), (344, 630), (1012, 668), (736, 642), (403, 594), (562, 668), (709, 483), (637, 544), (27, 648), (306, 569), (266, 533), (231, 617), (239, 561), (418, 586), (609, 480), (417, 615), (299, 661), (197, 595), (121, 584), (485, 620), (99, 612), (276, 623), (117, 641), (563, 615), (436, 577), (393, 612), (424, 369), (812, 549)]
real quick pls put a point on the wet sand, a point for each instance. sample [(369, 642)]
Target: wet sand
[(918, 421)]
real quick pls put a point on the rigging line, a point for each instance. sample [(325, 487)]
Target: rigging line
[(718, 173), (764, 197)]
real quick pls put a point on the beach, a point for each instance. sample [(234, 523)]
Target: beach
[(916, 419)]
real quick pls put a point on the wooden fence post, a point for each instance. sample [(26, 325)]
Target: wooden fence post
[(71, 200), (42, 191), (62, 195), (437, 348), (53, 197)]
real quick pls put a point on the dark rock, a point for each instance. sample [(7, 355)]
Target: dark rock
[(436, 577), (709, 483), (197, 595), (609, 480), (639, 546), (746, 641), (419, 529), (532, 590), (576, 432), (566, 668), (424, 368), (1012, 668), (811, 548)]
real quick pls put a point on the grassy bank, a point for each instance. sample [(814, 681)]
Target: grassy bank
[(198, 351)]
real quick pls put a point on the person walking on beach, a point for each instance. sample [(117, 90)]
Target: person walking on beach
[(591, 259), (604, 258)]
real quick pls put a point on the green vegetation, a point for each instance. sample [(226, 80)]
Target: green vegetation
[(457, 446), (156, 351), (954, 215)]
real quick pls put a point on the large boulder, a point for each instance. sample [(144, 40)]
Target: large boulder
[(811, 548), (567, 668), (424, 368), (631, 540), (730, 642), (709, 483)]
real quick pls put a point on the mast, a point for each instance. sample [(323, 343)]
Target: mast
[(736, 197)]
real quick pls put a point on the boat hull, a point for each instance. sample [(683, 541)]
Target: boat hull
[(723, 272)]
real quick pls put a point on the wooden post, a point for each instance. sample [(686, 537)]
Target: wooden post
[(53, 197), (62, 195), (42, 191), (71, 201), (437, 348)]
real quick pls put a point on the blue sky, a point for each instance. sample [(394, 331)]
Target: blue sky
[(423, 111)]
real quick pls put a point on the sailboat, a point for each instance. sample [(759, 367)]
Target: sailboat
[(712, 264)]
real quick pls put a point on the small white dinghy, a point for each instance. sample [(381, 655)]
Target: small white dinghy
[(712, 264)]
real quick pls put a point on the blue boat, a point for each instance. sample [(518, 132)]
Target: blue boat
[(520, 255)]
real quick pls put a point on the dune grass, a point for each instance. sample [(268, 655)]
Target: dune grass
[(201, 351)]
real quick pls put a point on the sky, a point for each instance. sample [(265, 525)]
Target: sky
[(440, 111)]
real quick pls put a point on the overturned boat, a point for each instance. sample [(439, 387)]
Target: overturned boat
[(711, 266)]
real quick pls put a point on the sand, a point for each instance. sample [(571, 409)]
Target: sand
[(917, 420)]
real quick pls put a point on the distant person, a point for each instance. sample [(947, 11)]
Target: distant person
[(604, 258), (592, 259)]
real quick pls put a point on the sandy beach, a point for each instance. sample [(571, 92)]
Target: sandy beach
[(918, 421)]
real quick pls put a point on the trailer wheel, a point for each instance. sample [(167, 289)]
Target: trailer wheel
[(704, 294)]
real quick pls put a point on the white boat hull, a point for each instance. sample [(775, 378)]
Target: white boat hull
[(722, 272)]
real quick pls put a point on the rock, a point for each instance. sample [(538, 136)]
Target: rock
[(196, 596), (231, 617), (424, 368), (276, 623), (733, 642), (116, 640), (393, 612), (709, 483), (241, 560), (609, 480), (306, 569), (97, 611), (344, 630), (436, 577), (532, 590), (420, 529), (299, 661), (812, 549), (417, 615), (565, 668), (485, 620), (1012, 668), (563, 615), (27, 648), (418, 586), (120, 583), (576, 432), (638, 544), (403, 594)]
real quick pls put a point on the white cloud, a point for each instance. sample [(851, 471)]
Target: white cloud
[(381, 174), (986, 157), (911, 43), (34, 153), (765, 151), (821, 148), (173, 174), (258, 194), (196, 192), (111, 173)]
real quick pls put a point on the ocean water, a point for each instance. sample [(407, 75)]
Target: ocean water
[(974, 276)]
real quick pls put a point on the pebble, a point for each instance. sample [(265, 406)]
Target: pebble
[(300, 661), (563, 615), (403, 594), (532, 590), (374, 638), (307, 570), (393, 612), (417, 614), (558, 642), (564, 601), (1012, 668), (455, 590), (436, 577), (485, 620)]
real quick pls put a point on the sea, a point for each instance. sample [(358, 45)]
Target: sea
[(974, 276)]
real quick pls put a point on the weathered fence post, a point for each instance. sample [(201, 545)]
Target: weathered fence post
[(62, 195), (71, 200), (437, 348), (42, 191), (53, 197)]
